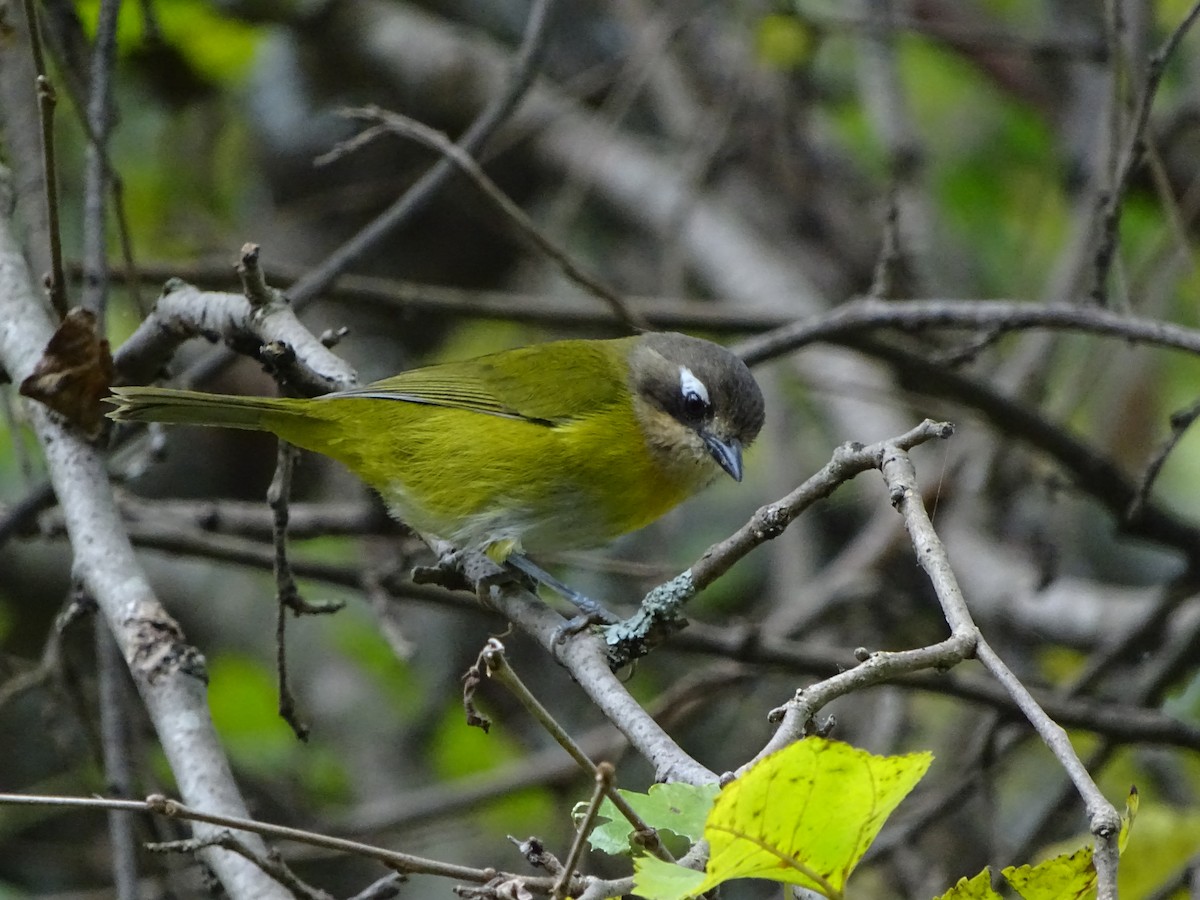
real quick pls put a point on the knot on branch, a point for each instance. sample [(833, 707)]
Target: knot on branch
[(159, 650)]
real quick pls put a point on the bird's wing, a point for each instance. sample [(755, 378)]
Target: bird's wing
[(546, 383)]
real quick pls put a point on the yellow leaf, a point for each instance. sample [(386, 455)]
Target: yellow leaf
[(1068, 876), (977, 888), (806, 814)]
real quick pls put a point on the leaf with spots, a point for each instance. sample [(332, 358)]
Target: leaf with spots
[(804, 816)]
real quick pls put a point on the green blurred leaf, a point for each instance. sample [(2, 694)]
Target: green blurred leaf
[(678, 808), (245, 709), (219, 47), (784, 41)]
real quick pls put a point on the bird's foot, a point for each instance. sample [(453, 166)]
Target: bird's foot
[(591, 612)]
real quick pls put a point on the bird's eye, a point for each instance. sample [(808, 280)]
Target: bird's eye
[(694, 406)]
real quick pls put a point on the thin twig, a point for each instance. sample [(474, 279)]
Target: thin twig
[(287, 595), (118, 771), (604, 786), (1181, 421), (1104, 819), (46, 103), (73, 84), (287, 592), (497, 667), (525, 67), (270, 863)]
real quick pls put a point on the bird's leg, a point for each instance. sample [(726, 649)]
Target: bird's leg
[(591, 612)]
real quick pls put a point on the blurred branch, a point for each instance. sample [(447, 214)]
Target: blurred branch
[(113, 703), (520, 78), (270, 863), (95, 185), (1134, 145), (435, 140)]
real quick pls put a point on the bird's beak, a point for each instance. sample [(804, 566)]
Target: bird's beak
[(728, 454)]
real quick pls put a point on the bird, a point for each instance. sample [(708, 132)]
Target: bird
[(562, 445)]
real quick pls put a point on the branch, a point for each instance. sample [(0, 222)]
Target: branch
[(183, 312), (1104, 819), (168, 672), (661, 611)]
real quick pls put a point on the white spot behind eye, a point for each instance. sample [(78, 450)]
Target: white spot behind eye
[(690, 384)]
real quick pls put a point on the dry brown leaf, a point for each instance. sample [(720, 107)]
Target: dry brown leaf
[(74, 373)]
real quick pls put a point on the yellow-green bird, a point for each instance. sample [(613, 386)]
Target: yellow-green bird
[(555, 446)]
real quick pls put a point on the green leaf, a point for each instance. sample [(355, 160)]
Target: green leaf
[(977, 888), (663, 880), (678, 808)]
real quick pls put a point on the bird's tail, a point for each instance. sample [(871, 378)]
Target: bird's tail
[(155, 404)]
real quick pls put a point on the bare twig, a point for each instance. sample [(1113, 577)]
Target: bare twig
[(604, 787), (287, 594), (1104, 820), (1181, 421), (118, 770), (46, 103)]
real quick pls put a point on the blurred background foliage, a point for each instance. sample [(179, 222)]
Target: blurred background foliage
[(791, 124)]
